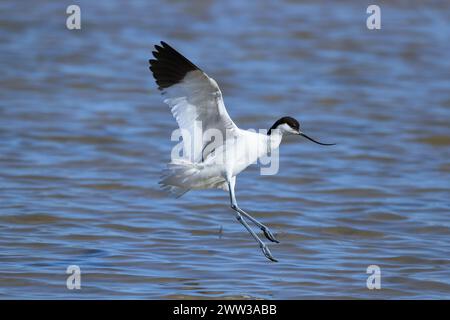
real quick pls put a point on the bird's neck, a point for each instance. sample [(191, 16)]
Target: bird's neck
[(274, 140)]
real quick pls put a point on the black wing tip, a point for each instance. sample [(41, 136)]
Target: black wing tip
[(169, 66), (165, 45)]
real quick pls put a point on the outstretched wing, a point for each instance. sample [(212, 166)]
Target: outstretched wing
[(194, 99)]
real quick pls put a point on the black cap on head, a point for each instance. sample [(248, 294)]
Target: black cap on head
[(291, 122), (288, 120)]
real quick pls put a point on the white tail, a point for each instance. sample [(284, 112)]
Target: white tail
[(175, 178), (182, 175)]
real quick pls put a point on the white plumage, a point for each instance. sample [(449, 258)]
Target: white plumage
[(196, 103)]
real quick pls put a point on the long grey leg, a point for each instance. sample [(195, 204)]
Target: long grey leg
[(263, 228), (234, 206)]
